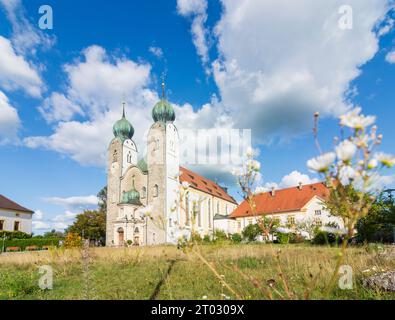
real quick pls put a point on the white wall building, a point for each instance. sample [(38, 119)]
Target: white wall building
[(14, 217), (291, 206)]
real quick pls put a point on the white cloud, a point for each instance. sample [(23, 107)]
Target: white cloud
[(156, 51), (16, 72), (79, 202), (190, 7), (294, 178), (41, 226), (38, 215), (390, 57), (58, 108), (26, 38), (197, 10), (9, 121), (95, 87), (284, 60)]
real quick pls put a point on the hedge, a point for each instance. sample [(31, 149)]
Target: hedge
[(23, 243), (11, 235)]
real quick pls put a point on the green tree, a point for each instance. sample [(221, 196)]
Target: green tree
[(91, 224), (379, 224), (54, 234), (251, 232), (102, 195)]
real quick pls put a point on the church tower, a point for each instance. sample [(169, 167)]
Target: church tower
[(122, 153), (163, 162)]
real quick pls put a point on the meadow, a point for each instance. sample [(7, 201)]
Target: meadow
[(213, 272)]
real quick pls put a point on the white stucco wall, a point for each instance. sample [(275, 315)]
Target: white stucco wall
[(9, 217), (307, 213)]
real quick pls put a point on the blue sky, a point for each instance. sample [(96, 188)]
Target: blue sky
[(269, 65)]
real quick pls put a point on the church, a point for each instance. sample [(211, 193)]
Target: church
[(152, 200)]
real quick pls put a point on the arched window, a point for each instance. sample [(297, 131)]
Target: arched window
[(156, 190), (217, 207), (129, 157), (144, 193)]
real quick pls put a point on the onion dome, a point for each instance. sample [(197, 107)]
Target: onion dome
[(131, 197), (123, 129), (142, 164), (163, 110)]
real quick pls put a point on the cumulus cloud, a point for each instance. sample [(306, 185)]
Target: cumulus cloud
[(9, 121), (60, 222), (197, 10), (95, 86), (16, 72), (288, 181), (78, 202), (26, 38), (284, 60), (390, 57), (294, 178)]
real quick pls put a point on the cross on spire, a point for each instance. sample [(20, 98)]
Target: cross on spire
[(163, 85), (123, 106)]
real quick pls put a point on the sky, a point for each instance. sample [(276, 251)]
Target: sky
[(266, 66)]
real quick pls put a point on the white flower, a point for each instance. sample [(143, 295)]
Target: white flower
[(385, 159), (346, 150), (347, 175), (250, 152), (373, 163), (204, 297), (321, 163), (253, 165), (355, 120), (185, 185)]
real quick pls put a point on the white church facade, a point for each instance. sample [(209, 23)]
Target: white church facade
[(154, 200)]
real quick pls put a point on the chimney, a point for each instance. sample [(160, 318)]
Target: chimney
[(300, 187), (273, 192)]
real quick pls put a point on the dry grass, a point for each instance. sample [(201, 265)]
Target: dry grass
[(294, 271)]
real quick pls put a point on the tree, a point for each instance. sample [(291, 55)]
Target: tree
[(102, 195), (91, 224), (54, 234), (379, 224), (251, 232)]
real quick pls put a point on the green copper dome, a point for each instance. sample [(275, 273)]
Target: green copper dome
[(131, 197), (142, 164), (163, 111), (123, 128)]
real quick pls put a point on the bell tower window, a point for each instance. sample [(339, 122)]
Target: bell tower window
[(156, 190)]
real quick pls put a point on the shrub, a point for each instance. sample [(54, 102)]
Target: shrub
[(73, 240), (23, 244), (323, 237), (10, 235), (236, 238), (206, 239), (196, 237), (296, 238), (282, 238), (251, 232), (220, 235)]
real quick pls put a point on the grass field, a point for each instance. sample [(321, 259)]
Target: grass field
[(250, 271)]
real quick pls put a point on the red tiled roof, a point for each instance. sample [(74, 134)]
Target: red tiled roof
[(285, 200), (203, 184), (6, 203)]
